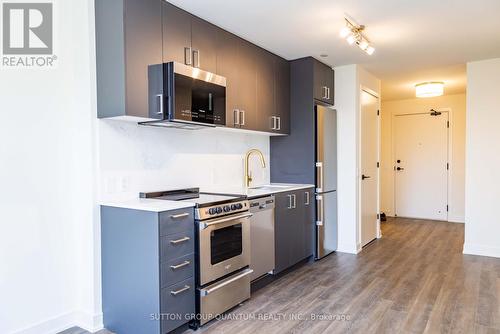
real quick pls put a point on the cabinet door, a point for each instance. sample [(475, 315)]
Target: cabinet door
[(308, 221), (282, 95), (247, 85), (282, 232), (204, 44), (143, 47), (265, 106), (227, 66), (323, 82), (176, 35), (297, 228)]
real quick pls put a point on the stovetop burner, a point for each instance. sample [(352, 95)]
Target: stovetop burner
[(208, 205)]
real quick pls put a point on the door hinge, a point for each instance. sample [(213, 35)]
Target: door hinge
[(378, 164), (378, 112)]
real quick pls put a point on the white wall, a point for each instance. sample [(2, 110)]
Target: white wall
[(349, 80), (46, 180), (482, 184), (457, 163)]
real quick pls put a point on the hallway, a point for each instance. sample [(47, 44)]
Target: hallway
[(415, 279)]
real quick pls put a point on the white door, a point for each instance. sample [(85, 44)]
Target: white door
[(369, 168), (421, 165)]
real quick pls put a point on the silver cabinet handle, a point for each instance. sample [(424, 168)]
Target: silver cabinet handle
[(319, 166), (328, 97), (325, 92), (205, 292), (210, 98), (279, 123), (289, 201), (321, 213), (236, 117), (242, 117), (185, 288), (183, 264), (161, 104), (223, 220), (181, 215), (274, 122), (188, 56), (196, 58), (178, 241), (308, 198), (294, 201)]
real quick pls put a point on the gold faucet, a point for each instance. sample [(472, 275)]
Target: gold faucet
[(248, 174)]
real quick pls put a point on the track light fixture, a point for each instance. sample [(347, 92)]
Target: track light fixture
[(353, 33)]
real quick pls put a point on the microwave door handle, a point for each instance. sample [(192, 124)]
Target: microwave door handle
[(223, 220), (210, 102)]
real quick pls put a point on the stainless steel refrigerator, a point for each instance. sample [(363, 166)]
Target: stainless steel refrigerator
[(326, 180)]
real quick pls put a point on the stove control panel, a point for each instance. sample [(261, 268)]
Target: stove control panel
[(221, 210)]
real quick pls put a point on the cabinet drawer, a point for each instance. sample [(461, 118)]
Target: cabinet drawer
[(177, 270), (176, 221), (176, 245), (177, 304)]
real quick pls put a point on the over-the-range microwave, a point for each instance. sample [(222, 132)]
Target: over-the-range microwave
[(186, 97)]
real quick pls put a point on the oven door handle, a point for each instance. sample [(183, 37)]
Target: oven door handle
[(205, 292), (227, 219)]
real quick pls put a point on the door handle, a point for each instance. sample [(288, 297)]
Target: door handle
[(400, 168), (188, 57), (242, 117), (161, 104), (363, 177), (319, 166)]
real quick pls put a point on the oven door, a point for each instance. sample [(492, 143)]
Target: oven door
[(224, 246)]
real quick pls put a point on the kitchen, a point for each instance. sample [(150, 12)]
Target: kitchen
[(178, 161), (217, 243)]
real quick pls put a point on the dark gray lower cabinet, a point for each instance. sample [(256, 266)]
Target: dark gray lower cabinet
[(294, 227), (148, 265)]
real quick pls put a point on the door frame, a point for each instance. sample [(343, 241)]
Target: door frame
[(449, 154), (365, 89)]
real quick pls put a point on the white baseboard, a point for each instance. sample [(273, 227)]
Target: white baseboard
[(456, 219), (482, 250), (345, 248), (65, 321)]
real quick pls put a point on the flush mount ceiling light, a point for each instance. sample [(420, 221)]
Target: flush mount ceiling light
[(429, 89), (353, 33)]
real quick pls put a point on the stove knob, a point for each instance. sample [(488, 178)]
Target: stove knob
[(219, 210), (212, 211), (227, 208), (240, 206), (233, 207)]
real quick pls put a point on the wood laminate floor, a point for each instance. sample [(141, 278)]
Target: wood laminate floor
[(413, 280)]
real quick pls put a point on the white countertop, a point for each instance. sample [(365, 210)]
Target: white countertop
[(253, 193), (153, 205)]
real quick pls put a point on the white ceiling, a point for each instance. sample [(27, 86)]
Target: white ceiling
[(415, 40)]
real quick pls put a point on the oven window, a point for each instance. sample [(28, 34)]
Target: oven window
[(226, 243)]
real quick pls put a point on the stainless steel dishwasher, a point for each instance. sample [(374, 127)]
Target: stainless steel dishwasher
[(262, 236)]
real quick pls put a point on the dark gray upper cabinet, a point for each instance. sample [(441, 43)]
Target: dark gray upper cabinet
[(265, 89), (247, 67), (188, 39), (128, 40), (323, 82), (176, 35), (281, 121), (204, 44)]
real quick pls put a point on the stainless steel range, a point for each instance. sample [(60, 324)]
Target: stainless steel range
[(223, 238)]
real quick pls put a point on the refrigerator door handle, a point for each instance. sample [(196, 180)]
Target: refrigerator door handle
[(321, 211), (319, 186)]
